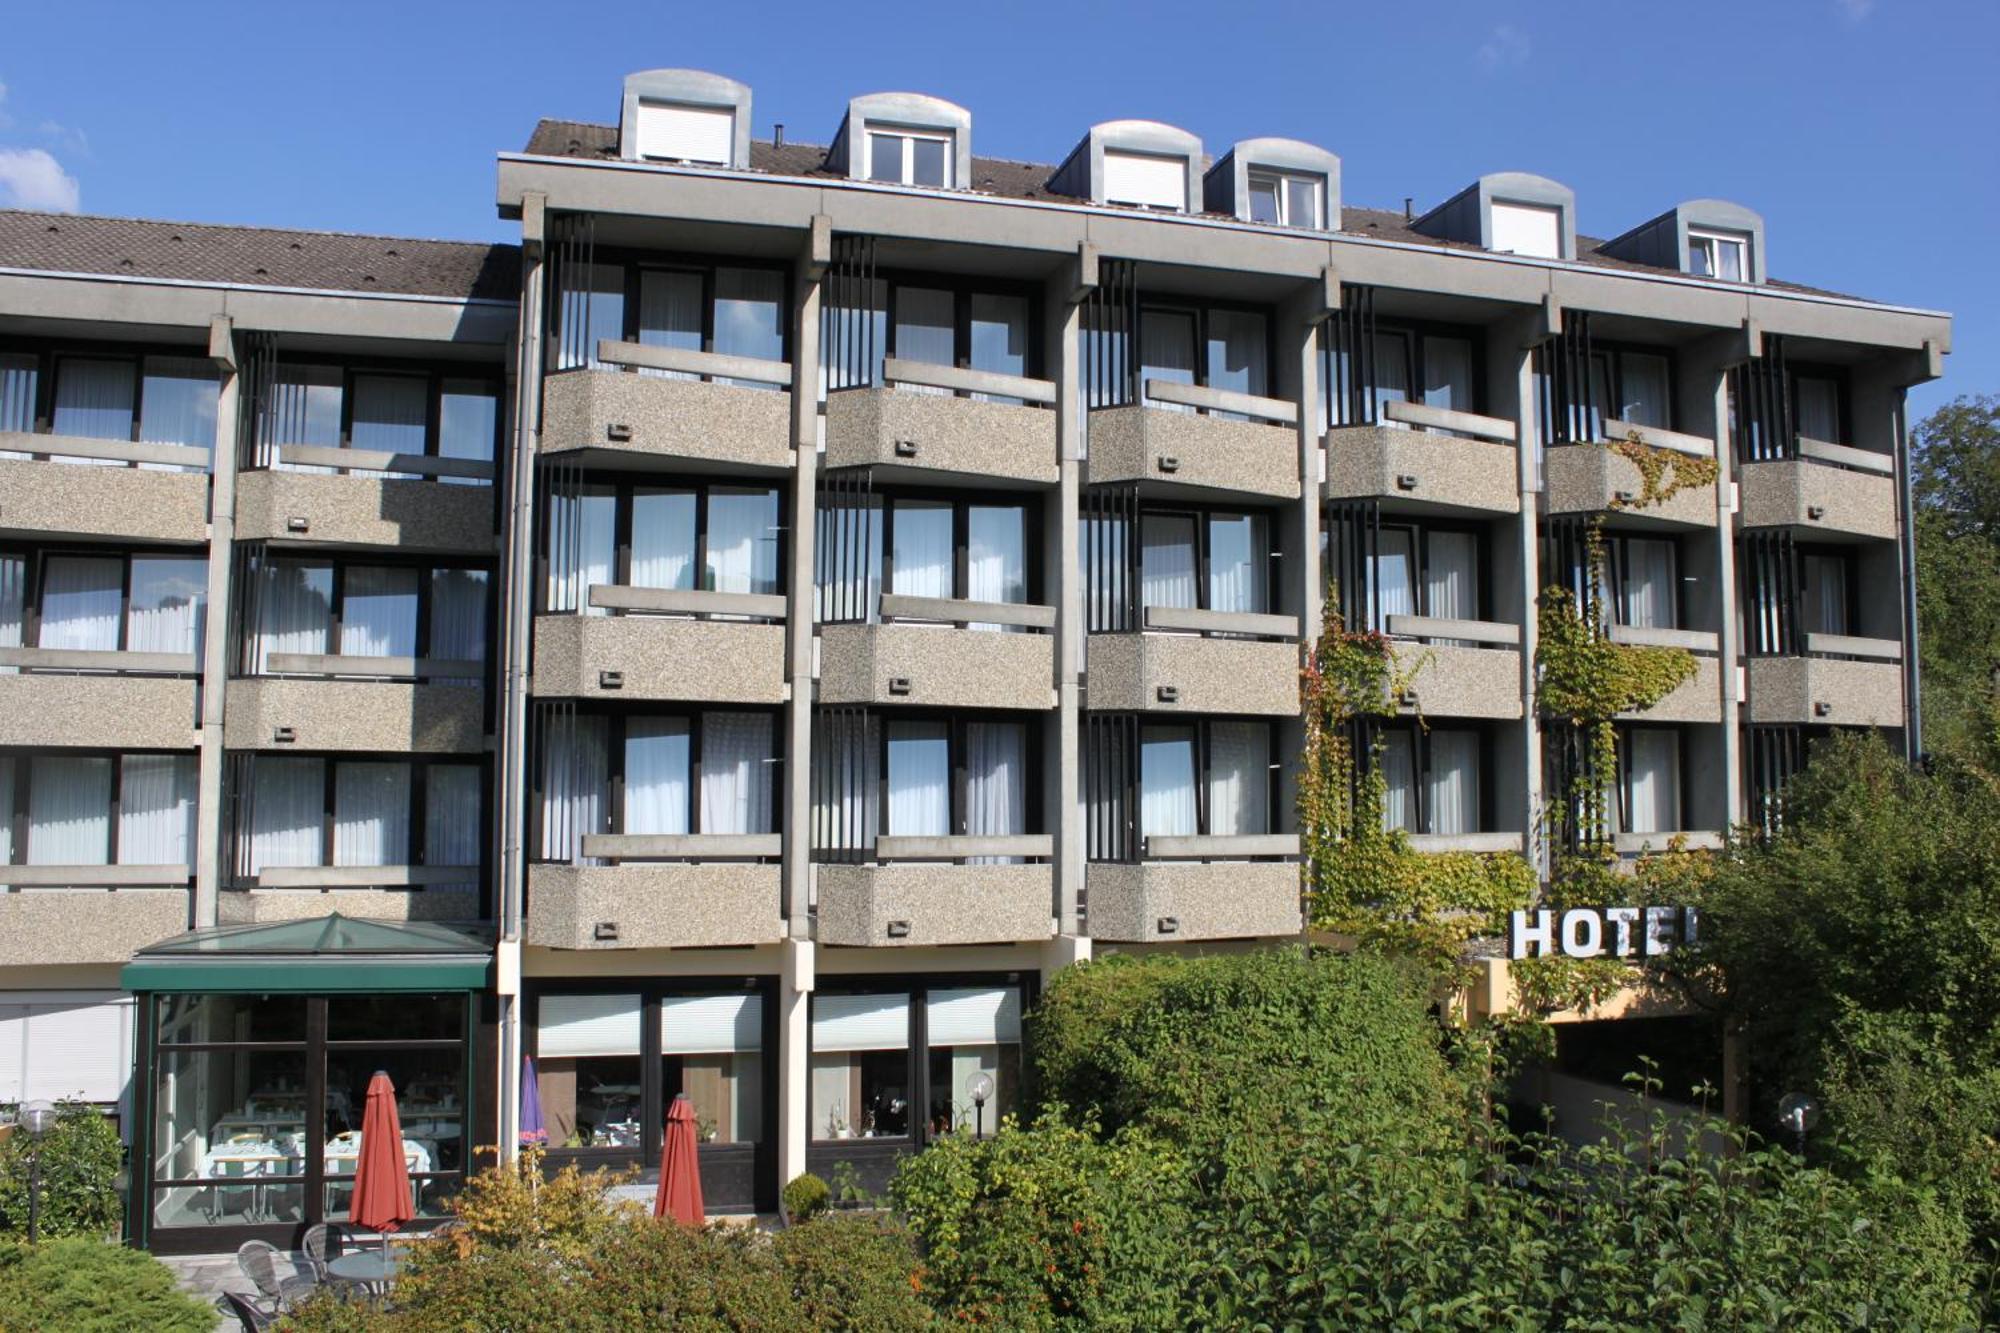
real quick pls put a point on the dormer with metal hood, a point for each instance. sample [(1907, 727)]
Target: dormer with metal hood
[(1138, 162), (1508, 212), (1708, 238), (904, 139), (685, 115), (1282, 182)]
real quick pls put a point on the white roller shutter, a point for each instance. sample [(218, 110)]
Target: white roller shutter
[(860, 1023), (711, 1024), (66, 1047), (1527, 229), (974, 1017), (579, 1025), (678, 133), (1142, 178)]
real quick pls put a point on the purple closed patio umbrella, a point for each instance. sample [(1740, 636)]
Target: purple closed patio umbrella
[(532, 1131)]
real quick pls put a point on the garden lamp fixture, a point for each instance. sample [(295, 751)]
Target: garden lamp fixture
[(1798, 1112), (981, 1089), (36, 1119)]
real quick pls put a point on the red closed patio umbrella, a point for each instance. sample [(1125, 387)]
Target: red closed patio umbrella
[(382, 1199), (679, 1195)]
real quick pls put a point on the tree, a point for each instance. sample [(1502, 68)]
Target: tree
[(1956, 487)]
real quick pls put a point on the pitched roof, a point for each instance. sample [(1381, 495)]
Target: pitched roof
[(1029, 180), (257, 256)]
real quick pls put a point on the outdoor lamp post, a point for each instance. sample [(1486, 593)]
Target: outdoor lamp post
[(36, 1119), (1798, 1112), (981, 1089)]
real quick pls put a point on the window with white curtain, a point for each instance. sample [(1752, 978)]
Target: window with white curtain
[(1817, 408), (1650, 758), (310, 810), (1648, 584), (1824, 604)]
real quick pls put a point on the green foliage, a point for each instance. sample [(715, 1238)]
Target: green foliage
[(1046, 1226), (806, 1196), (86, 1285), (80, 1158), (1956, 488)]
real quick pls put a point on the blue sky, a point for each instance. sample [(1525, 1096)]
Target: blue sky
[(1867, 132)]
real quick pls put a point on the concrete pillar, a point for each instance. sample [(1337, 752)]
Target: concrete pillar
[(795, 986), (1065, 295), (209, 823)]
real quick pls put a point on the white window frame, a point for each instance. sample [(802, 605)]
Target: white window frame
[(1282, 179), (905, 135), (1709, 241)]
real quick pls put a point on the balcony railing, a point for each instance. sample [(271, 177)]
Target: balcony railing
[(624, 599), (686, 361)]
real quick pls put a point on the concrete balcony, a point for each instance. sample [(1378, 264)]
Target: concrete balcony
[(1696, 699), (924, 434), (1594, 478), (1185, 672), (88, 914), (270, 713), (1177, 895), (1422, 470), (1476, 672), (1195, 456), (1851, 494), (920, 897), (940, 663), (663, 904), (617, 415), (363, 509), (56, 495), (109, 711), (664, 656), (1864, 688)]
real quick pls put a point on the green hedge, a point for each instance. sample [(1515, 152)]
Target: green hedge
[(84, 1285)]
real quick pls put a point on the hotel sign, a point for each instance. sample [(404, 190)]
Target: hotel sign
[(1600, 932)]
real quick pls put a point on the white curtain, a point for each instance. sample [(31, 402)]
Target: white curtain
[(1166, 351), (69, 811), (168, 605), (921, 548), (1392, 373), (378, 612), (996, 783), (576, 786), (156, 806), (583, 547), (742, 540), (1646, 597), (1166, 782), (736, 751), (750, 315), (669, 316), (1399, 779), (1652, 780), (1646, 393), (1238, 563), (1392, 577), (288, 812), (925, 330), (1819, 408), (304, 408), (178, 405), (94, 398), (656, 775), (81, 598), (1239, 778), (1167, 560), (1448, 374), (458, 615), (663, 539), (371, 814), (451, 815), (1826, 595), (999, 338), (294, 609), (919, 780), (391, 413), (996, 557), (1454, 781), (1236, 354)]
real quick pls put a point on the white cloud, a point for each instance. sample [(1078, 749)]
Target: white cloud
[(1855, 10), (30, 178), (1507, 46)]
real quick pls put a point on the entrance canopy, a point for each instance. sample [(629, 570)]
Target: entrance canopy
[(321, 955)]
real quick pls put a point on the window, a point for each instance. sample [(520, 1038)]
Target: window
[(872, 1077), (384, 410), (707, 772), (921, 546), (672, 132), (1724, 255), (429, 621), (103, 603), (57, 810), (1649, 780), (1287, 199), (1145, 179), (1527, 229), (910, 157), (1645, 583), (905, 776), (712, 538), (308, 811), (1205, 778), (1430, 780)]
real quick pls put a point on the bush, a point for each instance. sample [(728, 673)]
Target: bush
[(80, 1158), (806, 1196), (84, 1285)]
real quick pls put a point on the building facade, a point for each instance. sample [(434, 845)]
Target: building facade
[(740, 640)]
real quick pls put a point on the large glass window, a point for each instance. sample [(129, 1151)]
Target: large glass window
[(430, 618)]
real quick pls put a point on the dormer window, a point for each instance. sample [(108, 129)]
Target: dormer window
[(1718, 254), (1145, 179), (669, 132), (1287, 198), (910, 157), (1527, 229)]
